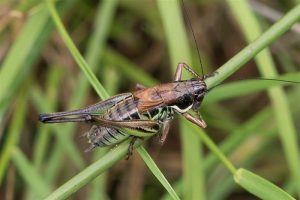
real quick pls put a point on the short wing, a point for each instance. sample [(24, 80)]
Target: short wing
[(148, 105), (83, 115), (147, 99)]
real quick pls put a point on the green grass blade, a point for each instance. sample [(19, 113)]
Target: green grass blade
[(178, 189), (157, 173), (266, 66), (179, 52), (14, 131), (75, 53), (91, 172), (259, 186), (29, 174)]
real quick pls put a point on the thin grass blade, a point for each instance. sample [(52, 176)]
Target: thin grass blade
[(156, 172)]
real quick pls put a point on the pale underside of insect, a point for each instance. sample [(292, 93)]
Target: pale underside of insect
[(142, 113)]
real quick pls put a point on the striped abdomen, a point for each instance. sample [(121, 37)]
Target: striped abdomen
[(124, 110)]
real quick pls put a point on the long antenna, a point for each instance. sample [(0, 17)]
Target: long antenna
[(274, 79), (260, 79), (190, 25)]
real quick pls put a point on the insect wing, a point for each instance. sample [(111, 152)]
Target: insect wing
[(148, 98), (83, 115)]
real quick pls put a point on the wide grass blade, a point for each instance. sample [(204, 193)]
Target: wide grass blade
[(259, 186)]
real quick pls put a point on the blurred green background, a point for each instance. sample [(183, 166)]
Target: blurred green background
[(126, 42)]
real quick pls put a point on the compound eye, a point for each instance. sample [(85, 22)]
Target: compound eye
[(198, 102), (185, 101)]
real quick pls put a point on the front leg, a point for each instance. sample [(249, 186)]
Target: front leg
[(198, 121)]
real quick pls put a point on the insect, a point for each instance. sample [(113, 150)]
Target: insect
[(147, 111)]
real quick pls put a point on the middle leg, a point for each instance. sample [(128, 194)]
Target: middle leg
[(179, 68)]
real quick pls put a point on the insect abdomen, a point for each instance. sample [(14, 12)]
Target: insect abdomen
[(103, 136), (123, 110)]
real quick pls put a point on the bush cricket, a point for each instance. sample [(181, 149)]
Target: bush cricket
[(147, 111)]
